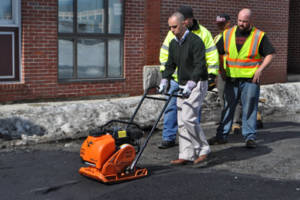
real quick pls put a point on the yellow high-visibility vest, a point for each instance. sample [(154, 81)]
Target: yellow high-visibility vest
[(217, 38), (244, 63), (211, 52)]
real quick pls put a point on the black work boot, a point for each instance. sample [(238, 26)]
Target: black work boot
[(216, 140), (166, 144), (251, 144)]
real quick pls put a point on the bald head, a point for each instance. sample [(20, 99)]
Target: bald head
[(176, 24), (244, 19), (245, 12), (178, 16)]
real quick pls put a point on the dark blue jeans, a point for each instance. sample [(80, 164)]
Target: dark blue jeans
[(170, 116), (248, 93)]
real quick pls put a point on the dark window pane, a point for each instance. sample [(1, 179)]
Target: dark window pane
[(115, 16), (5, 10), (65, 59), (90, 16), (114, 58), (65, 16), (6, 52), (91, 58)]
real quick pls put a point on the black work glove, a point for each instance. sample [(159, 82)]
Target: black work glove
[(211, 82)]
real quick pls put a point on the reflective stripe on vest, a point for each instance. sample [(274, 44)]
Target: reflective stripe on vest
[(210, 49), (165, 47), (245, 62), (217, 38), (255, 43)]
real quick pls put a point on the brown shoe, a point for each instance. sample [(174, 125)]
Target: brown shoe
[(200, 159), (179, 162)]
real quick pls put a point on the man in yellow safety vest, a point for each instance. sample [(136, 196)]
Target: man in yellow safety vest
[(244, 47)]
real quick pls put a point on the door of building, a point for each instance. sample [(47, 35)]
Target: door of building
[(9, 40)]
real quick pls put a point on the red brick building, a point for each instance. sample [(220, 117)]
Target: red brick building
[(62, 49)]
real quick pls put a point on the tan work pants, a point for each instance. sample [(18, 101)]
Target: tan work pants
[(192, 141)]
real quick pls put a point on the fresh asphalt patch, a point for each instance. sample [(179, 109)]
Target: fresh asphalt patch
[(54, 175), (271, 171)]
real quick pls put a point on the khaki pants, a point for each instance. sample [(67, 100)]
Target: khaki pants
[(192, 141)]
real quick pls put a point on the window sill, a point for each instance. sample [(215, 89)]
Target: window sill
[(12, 86), (62, 81)]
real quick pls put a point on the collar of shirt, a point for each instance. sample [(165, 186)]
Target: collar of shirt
[(183, 37)]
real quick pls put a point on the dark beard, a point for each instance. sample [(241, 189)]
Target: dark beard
[(245, 31)]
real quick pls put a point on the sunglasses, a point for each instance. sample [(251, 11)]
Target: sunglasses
[(175, 26)]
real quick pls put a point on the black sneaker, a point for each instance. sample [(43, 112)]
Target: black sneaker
[(216, 140), (251, 144), (166, 144)]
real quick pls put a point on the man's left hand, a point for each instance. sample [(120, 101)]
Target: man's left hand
[(189, 86)]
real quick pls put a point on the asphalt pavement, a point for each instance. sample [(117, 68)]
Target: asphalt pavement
[(271, 171)]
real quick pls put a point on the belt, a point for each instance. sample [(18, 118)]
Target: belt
[(233, 80), (185, 81)]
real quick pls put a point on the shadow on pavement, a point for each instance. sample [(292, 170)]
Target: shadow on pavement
[(236, 153), (158, 169), (278, 131), (280, 124), (235, 150)]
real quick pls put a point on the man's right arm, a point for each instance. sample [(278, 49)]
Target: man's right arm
[(220, 46), (170, 65), (267, 50)]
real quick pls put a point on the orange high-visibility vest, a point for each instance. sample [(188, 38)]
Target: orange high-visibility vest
[(244, 63)]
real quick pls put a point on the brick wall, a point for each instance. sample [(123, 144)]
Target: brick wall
[(39, 57), (134, 46), (152, 31), (144, 30), (294, 39), (39, 48), (269, 15)]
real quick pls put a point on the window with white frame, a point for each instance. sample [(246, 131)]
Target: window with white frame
[(90, 39), (10, 40)]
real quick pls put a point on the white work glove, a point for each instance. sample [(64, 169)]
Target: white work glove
[(189, 86), (163, 86)]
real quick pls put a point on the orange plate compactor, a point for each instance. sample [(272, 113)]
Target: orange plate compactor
[(111, 153)]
